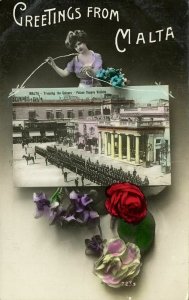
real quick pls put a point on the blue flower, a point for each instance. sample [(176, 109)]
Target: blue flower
[(101, 74), (114, 76), (118, 80)]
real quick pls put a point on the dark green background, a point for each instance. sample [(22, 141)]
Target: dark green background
[(23, 49)]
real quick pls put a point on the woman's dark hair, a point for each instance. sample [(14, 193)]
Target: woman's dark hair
[(75, 36)]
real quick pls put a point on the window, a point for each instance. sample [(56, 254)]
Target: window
[(90, 113), (80, 114), (49, 115), (32, 114), (97, 112), (59, 114), (70, 114), (14, 115), (92, 130), (106, 111), (158, 141)]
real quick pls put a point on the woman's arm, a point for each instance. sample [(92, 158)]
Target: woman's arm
[(59, 71)]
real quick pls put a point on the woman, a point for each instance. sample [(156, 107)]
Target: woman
[(85, 64)]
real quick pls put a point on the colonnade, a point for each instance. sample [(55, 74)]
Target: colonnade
[(107, 141)]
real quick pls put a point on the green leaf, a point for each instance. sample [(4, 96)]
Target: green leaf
[(141, 234)]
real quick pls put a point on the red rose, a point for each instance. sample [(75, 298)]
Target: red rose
[(126, 201)]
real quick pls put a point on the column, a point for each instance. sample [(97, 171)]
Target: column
[(103, 142), (109, 143), (106, 143), (120, 155), (128, 148), (112, 145), (100, 143), (137, 153), (150, 148)]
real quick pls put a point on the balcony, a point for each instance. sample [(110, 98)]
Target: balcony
[(131, 124)]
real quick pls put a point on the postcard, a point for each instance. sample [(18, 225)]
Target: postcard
[(94, 136), (93, 123)]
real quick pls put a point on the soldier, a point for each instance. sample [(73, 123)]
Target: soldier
[(77, 181), (25, 148), (65, 176), (146, 181), (134, 172)]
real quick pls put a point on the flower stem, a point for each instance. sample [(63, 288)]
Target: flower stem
[(100, 229), (113, 226), (55, 195)]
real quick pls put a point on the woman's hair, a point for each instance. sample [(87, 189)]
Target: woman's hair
[(75, 36)]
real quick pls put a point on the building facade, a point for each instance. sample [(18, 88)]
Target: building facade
[(137, 134)]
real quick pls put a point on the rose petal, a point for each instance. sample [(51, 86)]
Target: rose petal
[(113, 188), (110, 280), (126, 201), (116, 247), (130, 255), (124, 187), (112, 204)]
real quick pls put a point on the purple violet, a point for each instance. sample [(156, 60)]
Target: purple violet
[(79, 210), (94, 246), (42, 204)]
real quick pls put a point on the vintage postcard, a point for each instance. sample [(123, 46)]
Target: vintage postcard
[(94, 125), (94, 136)]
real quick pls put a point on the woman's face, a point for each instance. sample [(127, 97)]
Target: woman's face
[(81, 47)]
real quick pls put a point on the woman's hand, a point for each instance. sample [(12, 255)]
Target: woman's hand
[(88, 71), (59, 71), (50, 61)]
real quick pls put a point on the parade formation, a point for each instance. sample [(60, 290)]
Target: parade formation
[(100, 174)]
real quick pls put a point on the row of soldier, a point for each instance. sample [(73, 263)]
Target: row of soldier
[(100, 174)]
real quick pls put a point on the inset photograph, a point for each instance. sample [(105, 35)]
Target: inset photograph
[(91, 137)]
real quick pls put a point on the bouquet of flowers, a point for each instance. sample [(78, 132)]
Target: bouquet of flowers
[(113, 76), (120, 258)]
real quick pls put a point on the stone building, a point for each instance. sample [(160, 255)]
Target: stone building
[(52, 119), (131, 131), (138, 136)]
